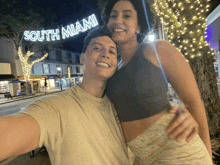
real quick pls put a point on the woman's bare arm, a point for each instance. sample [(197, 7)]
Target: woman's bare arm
[(183, 81)]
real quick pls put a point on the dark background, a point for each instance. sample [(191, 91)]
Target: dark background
[(69, 11)]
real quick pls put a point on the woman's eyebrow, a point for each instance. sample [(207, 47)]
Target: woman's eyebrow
[(127, 11), (115, 11)]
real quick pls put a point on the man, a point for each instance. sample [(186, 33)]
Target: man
[(77, 126)]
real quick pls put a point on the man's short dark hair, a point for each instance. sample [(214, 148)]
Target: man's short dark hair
[(98, 32)]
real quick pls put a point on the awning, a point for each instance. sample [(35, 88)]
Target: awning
[(7, 77), (32, 77), (76, 75), (17, 81), (63, 75)]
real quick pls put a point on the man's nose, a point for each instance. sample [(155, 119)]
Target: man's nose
[(105, 55)]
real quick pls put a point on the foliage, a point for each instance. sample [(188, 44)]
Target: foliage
[(185, 23)]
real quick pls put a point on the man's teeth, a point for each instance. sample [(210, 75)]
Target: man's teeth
[(103, 64), (118, 30)]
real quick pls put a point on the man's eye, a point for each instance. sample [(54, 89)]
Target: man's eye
[(111, 52), (96, 48)]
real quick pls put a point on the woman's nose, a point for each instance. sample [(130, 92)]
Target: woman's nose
[(118, 20)]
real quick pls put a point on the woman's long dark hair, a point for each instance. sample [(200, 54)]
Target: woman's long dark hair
[(107, 6)]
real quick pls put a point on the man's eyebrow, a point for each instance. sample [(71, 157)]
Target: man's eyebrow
[(115, 11), (113, 47), (93, 43), (101, 45)]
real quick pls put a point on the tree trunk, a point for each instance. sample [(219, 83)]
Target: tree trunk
[(204, 72), (27, 88)]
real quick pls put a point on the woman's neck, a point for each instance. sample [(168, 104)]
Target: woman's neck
[(127, 50)]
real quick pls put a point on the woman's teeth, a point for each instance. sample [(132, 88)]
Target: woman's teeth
[(118, 30)]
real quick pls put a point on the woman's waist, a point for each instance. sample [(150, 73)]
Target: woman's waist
[(132, 129), (138, 111)]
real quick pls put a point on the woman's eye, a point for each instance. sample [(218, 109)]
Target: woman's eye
[(127, 16), (113, 16), (96, 48)]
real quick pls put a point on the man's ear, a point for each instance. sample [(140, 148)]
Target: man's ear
[(82, 58)]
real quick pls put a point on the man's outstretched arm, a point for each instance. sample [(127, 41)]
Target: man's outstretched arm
[(19, 133)]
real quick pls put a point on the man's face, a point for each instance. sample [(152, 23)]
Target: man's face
[(100, 58)]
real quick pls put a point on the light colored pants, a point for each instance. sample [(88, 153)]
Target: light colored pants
[(154, 147)]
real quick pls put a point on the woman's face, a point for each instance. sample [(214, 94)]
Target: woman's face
[(123, 22)]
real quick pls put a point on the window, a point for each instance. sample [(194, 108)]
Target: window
[(25, 49), (71, 69), (77, 61), (46, 69), (58, 55), (32, 69), (77, 69), (69, 57)]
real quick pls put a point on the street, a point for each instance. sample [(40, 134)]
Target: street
[(14, 107), (40, 158)]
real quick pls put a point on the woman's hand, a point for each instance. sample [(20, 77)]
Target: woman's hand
[(183, 126)]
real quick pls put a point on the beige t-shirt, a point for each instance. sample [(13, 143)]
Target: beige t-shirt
[(79, 129)]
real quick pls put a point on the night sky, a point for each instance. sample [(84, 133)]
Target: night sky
[(69, 11)]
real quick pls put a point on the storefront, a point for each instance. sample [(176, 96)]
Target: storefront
[(5, 83), (36, 84), (4, 86)]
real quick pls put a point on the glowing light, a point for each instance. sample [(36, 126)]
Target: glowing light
[(26, 66), (151, 38), (69, 31)]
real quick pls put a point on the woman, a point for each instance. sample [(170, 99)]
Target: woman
[(138, 91)]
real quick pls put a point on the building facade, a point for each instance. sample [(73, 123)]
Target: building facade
[(213, 36), (60, 69)]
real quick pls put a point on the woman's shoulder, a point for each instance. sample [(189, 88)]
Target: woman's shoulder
[(159, 43), (161, 46)]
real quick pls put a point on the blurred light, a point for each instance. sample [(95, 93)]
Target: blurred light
[(151, 37)]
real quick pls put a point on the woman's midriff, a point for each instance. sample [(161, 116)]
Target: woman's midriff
[(134, 128)]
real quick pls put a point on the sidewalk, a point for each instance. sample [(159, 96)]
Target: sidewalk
[(18, 98), (41, 158)]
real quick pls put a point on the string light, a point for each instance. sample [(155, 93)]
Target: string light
[(26, 66), (186, 28)]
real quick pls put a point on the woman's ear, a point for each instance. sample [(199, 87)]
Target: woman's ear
[(138, 29), (82, 58)]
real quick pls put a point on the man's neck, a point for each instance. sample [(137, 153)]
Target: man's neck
[(93, 87)]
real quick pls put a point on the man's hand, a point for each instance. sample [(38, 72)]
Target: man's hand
[(183, 126)]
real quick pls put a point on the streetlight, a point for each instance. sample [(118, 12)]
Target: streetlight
[(151, 37), (58, 71)]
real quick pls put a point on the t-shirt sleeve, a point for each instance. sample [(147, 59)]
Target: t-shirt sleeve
[(48, 118)]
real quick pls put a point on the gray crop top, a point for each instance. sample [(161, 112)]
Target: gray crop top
[(138, 90)]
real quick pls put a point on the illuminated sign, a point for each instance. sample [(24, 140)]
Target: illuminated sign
[(66, 32)]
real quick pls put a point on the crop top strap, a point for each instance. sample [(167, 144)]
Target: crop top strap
[(143, 45), (158, 59)]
